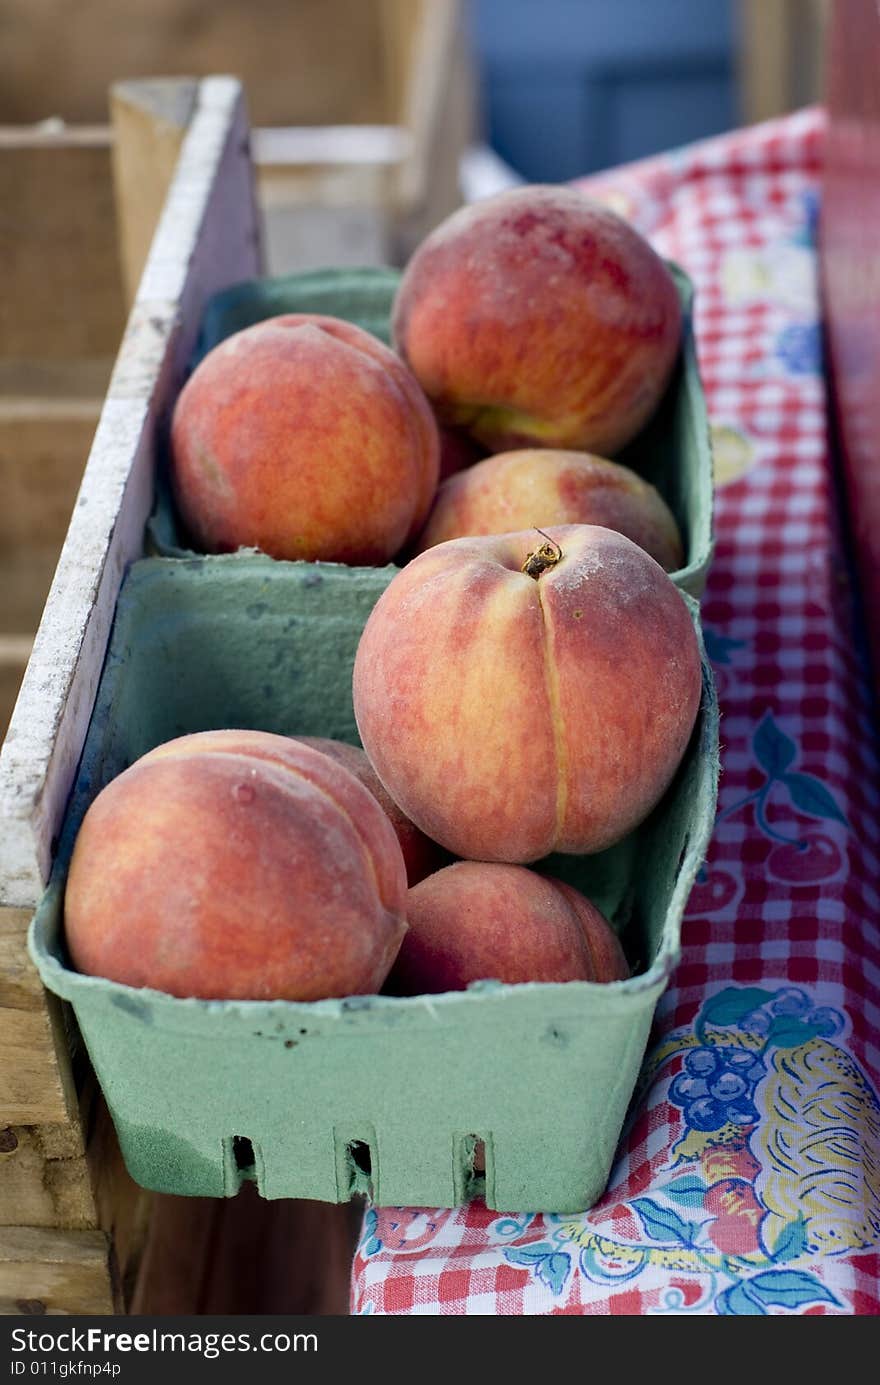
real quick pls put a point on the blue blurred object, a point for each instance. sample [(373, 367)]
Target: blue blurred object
[(570, 86)]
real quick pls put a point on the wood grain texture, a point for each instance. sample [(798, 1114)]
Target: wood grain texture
[(72, 1177), (296, 1256), (36, 1084), (60, 319), (122, 1209), (206, 239), (439, 112), (44, 1178), (313, 62), (48, 414), (55, 1272), (246, 1255), (149, 120), (62, 290), (13, 660), (44, 443)]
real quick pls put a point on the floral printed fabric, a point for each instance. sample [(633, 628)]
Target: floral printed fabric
[(748, 1177)]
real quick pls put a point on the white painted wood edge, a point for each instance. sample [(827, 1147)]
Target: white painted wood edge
[(207, 238), (277, 147)]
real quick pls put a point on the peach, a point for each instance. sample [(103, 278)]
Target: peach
[(539, 318), (457, 451), (475, 921), (236, 865), (517, 696), (545, 486), (421, 856), (306, 437)]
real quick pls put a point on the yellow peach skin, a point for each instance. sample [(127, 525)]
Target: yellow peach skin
[(305, 437), (546, 486), (236, 865), (539, 318), (512, 715)]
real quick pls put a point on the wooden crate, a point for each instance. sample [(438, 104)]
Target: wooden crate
[(310, 62), (61, 318), (362, 189), (363, 109), (85, 197), (92, 1240), (75, 1232)]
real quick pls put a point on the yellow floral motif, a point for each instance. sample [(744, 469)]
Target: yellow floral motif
[(628, 1256), (819, 1158), (783, 275), (733, 453), (820, 1152)]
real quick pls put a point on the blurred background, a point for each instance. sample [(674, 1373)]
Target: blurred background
[(570, 86), (372, 121), (562, 86), (411, 106)]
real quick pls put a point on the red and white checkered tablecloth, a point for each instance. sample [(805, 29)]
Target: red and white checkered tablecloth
[(776, 1001)]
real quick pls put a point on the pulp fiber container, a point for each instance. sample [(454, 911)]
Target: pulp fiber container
[(373, 1093), (673, 452)]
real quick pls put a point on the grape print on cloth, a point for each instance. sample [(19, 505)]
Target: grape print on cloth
[(747, 1180), (777, 1164)]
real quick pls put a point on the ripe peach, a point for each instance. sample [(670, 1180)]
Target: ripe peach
[(538, 317), (457, 451), (420, 855), (512, 713), (473, 920), (306, 437), (236, 865), (541, 486)]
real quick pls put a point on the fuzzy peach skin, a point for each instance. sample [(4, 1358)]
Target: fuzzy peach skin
[(510, 715), (541, 486), (421, 856), (306, 437), (539, 318), (475, 920), (237, 865)]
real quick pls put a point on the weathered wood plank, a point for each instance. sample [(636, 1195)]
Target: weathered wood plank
[(246, 1255), (122, 1209), (44, 443), (44, 1178), (36, 1085), (12, 666), (149, 120), (59, 248), (48, 414), (312, 62), (436, 105), (54, 1272), (72, 1176)]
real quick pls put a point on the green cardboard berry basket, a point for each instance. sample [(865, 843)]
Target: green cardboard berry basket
[(373, 1093), (672, 452)]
